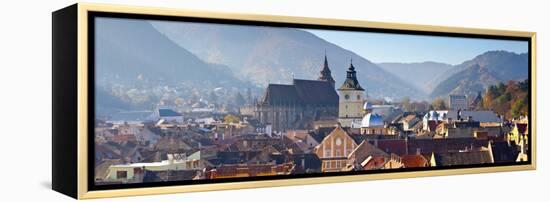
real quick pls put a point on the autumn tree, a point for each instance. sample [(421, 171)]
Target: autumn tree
[(421, 106), (406, 104), (231, 119), (510, 99)]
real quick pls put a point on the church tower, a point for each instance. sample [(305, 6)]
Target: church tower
[(352, 97), (326, 74)]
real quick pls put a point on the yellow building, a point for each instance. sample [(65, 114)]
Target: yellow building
[(520, 135), (352, 97)]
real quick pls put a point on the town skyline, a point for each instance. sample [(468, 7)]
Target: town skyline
[(320, 109)]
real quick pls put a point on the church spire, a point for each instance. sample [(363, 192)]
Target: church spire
[(325, 72)]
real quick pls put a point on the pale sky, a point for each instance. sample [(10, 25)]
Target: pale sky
[(383, 47)]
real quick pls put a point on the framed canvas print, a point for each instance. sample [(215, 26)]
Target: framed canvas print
[(156, 100)]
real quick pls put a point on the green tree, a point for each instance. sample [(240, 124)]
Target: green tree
[(520, 107), (439, 104), (510, 99), (524, 85)]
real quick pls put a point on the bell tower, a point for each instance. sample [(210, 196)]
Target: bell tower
[(352, 97)]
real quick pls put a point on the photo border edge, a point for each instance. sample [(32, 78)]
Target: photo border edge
[(82, 97)]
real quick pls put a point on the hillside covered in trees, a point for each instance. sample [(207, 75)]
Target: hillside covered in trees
[(510, 99)]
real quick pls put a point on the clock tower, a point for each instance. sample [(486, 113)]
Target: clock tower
[(352, 97)]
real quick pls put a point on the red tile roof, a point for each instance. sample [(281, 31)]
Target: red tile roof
[(398, 147), (376, 162), (482, 134), (414, 161), (432, 124), (124, 137)]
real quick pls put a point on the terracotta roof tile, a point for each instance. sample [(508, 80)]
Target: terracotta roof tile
[(414, 161)]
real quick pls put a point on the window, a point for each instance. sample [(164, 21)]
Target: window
[(327, 153), (337, 152), (358, 97), (121, 174), (338, 164), (338, 141), (327, 164)]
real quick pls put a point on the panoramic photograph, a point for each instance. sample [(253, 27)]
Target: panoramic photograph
[(195, 101)]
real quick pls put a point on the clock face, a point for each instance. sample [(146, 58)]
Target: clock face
[(338, 141), (346, 96)]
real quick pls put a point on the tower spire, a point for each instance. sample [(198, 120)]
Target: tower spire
[(325, 67), (351, 81)]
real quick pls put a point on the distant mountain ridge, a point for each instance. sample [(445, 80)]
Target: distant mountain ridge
[(137, 51), (128, 49), (485, 69), (469, 77), (421, 74), (133, 57), (277, 55)]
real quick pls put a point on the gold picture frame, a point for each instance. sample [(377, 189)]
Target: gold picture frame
[(74, 21)]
